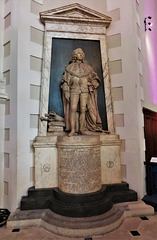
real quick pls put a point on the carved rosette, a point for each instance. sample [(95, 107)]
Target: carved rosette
[(79, 164)]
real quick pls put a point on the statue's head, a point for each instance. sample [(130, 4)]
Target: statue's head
[(78, 55)]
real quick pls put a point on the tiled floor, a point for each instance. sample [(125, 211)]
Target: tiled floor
[(132, 228)]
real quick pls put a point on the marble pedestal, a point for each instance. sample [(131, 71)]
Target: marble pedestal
[(73, 175), (90, 160), (46, 160), (79, 163)]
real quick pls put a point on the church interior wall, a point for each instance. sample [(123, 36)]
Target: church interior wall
[(150, 52), (2, 110), (126, 106), (22, 44)]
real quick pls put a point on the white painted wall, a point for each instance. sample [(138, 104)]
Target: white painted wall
[(132, 132), (2, 106), (10, 146)]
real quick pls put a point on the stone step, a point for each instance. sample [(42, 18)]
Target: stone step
[(78, 205), (123, 186), (80, 198), (86, 209), (124, 196), (82, 223), (40, 192), (79, 227)]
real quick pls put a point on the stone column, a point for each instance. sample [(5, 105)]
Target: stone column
[(79, 164)]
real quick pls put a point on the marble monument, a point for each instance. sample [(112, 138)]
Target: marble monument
[(77, 152), (46, 144)]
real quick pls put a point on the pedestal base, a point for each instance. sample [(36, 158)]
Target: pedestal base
[(78, 205), (46, 161), (79, 227)]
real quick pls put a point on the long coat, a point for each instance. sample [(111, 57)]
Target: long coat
[(80, 78)]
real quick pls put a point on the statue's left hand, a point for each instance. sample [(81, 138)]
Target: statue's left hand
[(95, 83)]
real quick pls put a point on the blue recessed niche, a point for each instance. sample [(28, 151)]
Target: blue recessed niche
[(60, 57)]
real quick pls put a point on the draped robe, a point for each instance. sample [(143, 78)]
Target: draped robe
[(80, 78)]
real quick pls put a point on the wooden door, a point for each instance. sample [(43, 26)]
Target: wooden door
[(150, 130)]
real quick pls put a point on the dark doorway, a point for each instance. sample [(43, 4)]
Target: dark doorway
[(150, 130), (61, 55)]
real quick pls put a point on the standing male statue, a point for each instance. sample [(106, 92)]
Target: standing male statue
[(79, 93)]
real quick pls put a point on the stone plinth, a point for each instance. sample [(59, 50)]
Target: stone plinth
[(46, 159), (72, 227), (110, 159), (78, 205), (79, 164), (46, 167)]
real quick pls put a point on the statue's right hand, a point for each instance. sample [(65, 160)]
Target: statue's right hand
[(67, 95)]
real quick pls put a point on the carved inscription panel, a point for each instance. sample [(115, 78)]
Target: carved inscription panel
[(79, 169)]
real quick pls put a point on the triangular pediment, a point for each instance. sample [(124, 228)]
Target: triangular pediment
[(74, 12)]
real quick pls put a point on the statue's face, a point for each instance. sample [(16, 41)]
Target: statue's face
[(79, 54)]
